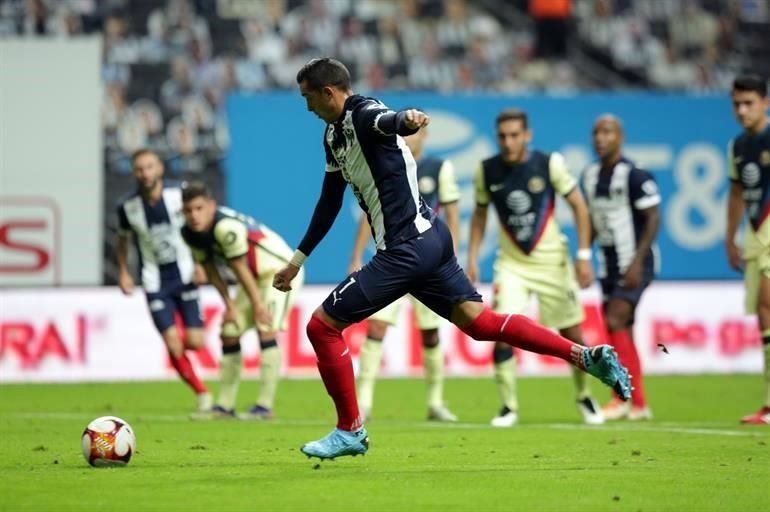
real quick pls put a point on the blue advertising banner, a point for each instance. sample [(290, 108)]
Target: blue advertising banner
[(276, 164)]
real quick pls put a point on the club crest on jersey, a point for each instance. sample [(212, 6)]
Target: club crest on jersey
[(536, 184), (764, 157)]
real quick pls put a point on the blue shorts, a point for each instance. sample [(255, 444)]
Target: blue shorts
[(182, 298), (613, 288), (424, 266)]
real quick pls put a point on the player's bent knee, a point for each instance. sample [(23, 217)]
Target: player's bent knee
[(172, 341), (321, 314), (318, 326), (194, 338), (487, 325), (230, 341), (465, 313), (266, 335), (615, 323)]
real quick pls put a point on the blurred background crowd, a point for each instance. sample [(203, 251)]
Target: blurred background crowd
[(169, 65)]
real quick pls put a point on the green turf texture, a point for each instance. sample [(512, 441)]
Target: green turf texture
[(693, 456)]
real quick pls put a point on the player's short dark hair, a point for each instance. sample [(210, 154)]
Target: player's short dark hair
[(512, 114), (750, 83), (318, 73), (144, 151), (194, 189)]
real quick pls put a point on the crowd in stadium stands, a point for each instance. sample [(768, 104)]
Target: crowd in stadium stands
[(169, 65)]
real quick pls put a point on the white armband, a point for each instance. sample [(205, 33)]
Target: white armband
[(298, 258)]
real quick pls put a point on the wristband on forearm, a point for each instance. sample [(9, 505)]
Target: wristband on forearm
[(584, 254)]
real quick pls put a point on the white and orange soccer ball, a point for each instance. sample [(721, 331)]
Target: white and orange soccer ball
[(108, 441)]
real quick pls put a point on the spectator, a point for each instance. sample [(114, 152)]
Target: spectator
[(551, 26)]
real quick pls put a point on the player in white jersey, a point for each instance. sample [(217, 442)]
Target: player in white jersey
[(153, 217), (438, 188), (254, 253)]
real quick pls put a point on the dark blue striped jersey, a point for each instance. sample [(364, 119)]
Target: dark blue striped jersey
[(616, 198), (380, 170), (164, 258)]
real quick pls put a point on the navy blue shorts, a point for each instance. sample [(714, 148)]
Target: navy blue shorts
[(424, 266), (613, 288), (182, 298)]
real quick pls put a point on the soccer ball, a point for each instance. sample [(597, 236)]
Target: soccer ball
[(108, 441)]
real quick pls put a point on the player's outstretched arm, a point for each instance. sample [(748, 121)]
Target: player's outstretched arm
[(405, 122), (324, 215)]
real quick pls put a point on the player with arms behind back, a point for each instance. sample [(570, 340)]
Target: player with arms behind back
[(254, 253), (623, 201), (415, 254), (438, 188), (533, 258), (153, 217), (749, 169)]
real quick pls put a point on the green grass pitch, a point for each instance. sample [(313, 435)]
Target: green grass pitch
[(693, 456)]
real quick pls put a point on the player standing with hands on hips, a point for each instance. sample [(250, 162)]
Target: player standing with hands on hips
[(365, 149)]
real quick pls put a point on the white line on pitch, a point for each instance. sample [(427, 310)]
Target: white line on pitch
[(667, 427)]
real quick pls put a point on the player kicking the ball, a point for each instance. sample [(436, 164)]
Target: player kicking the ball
[(364, 148)]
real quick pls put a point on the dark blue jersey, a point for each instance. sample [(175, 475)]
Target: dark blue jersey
[(750, 166), (164, 258), (375, 161)]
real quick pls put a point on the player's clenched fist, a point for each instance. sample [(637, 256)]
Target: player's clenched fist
[(415, 119), (282, 280)]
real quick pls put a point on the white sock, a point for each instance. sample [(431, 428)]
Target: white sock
[(229, 379), (369, 366), (433, 361), (505, 377), (269, 369)]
